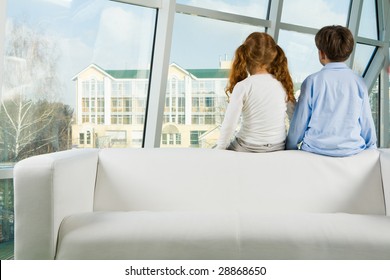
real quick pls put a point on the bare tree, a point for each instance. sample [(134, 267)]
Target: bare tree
[(28, 109)]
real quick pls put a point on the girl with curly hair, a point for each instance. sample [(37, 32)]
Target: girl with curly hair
[(260, 91)]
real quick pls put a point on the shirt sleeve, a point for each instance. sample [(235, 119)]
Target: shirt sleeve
[(232, 116), (290, 109), (367, 123), (301, 117)]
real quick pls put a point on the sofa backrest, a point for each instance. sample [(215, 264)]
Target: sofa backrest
[(206, 179)]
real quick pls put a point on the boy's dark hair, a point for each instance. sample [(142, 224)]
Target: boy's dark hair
[(335, 41)]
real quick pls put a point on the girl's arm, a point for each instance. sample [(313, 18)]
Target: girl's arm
[(232, 116)]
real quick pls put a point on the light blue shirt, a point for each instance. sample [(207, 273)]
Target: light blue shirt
[(333, 115)]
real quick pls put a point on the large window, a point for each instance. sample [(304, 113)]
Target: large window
[(73, 67), (85, 66)]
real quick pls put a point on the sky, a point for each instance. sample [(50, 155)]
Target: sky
[(119, 36)]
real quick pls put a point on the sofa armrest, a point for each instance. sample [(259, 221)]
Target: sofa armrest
[(48, 188), (385, 171)]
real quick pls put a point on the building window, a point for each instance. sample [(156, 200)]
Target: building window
[(194, 137), (171, 139), (88, 137), (81, 139), (181, 119), (178, 138), (100, 119), (181, 104), (85, 119), (209, 102), (139, 119), (209, 119), (164, 139)]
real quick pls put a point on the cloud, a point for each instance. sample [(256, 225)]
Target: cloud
[(124, 38), (63, 3), (315, 13)]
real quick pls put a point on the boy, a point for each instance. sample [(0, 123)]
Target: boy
[(333, 114)]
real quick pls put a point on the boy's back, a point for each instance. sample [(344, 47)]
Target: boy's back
[(333, 115)]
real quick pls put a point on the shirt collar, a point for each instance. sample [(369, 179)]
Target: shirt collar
[(335, 65)]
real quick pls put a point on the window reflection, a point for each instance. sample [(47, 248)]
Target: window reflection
[(253, 8), (315, 13)]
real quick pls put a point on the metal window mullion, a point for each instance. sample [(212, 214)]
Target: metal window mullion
[(298, 28), (375, 68), (6, 173), (159, 74), (274, 16), (384, 104), (218, 15), (380, 6), (353, 25), (148, 4), (384, 36), (368, 41)]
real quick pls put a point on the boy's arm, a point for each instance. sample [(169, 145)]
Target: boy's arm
[(367, 123), (301, 117)]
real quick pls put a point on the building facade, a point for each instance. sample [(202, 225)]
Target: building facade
[(111, 106)]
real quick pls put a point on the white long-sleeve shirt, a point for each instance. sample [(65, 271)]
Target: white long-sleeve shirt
[(261, 101)]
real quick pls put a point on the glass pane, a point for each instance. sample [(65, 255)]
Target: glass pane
[(74, 72), (302, 55), (363, 55), (252, 8), (6, 218), (368, 22), (315, 13), (195, 100)]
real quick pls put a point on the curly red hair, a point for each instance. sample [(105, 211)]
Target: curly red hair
[(259, 51)]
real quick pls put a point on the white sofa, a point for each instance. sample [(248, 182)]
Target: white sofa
[(202, 204)]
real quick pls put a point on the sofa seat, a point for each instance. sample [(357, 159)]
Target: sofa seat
[(223, 235)]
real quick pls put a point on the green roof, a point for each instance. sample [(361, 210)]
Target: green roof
[(129, 74), (144, 74), (209, 73)]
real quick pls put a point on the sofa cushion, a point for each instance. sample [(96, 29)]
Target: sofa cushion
[(148, 235), (223, 235), (216, 180)]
